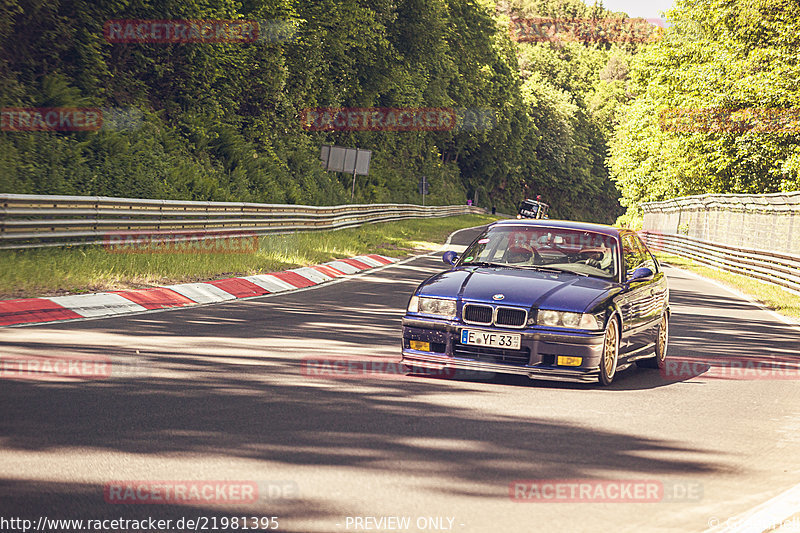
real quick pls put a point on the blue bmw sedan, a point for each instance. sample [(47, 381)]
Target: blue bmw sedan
[(547, 299)]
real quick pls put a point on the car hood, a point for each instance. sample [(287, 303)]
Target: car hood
[(523, 288)]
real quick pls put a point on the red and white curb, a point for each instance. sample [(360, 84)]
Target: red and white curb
[(39, 310)]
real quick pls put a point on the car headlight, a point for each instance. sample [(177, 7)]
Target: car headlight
[(432, 306), (564, 319)]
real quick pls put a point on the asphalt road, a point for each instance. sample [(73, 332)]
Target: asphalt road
[(222, 392)]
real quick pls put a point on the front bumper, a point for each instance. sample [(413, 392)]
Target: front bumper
[(537, 358)]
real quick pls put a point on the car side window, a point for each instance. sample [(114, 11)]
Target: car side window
[(631, 253), (649, 260)]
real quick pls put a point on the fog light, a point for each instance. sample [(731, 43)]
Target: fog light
[(564, 360), (419, 345)]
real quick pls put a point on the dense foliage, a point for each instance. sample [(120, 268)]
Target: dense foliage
[(222, 121), (717, 55)]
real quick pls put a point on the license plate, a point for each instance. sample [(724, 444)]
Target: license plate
[(477, 337)]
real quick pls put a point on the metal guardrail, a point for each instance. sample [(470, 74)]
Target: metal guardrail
[(34, 221), (778, 268)]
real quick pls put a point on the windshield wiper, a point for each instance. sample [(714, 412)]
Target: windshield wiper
[(547, 268), (485, 264), (539, 268), (562, 270)]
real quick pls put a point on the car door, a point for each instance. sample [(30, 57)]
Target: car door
[(658, 294), (637, 297)]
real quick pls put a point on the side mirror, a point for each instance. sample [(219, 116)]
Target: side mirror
[(450, 258), (641, 274)]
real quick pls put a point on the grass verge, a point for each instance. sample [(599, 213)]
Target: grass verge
[(770, 296), (81, 269)]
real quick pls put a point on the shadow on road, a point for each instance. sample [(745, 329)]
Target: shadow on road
[(227, 381)]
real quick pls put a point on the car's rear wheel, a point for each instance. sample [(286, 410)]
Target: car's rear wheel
[(608, 362), (662, 340)]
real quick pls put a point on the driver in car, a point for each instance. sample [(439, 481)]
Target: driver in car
[(599, 258), (519, 253)]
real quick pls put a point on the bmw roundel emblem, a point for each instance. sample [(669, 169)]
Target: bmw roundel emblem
[(498, 296)]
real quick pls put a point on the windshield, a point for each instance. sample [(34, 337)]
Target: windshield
[(540, 248)]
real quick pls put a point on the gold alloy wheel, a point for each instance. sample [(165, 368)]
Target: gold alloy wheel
[(608, 365), (663, 339)]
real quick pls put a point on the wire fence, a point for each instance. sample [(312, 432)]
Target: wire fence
[(753, 235)]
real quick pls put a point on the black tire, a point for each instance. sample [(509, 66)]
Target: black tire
[(610, 357), (662, 341)]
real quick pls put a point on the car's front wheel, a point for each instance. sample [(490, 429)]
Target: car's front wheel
[(608, 362), (662, 340)]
